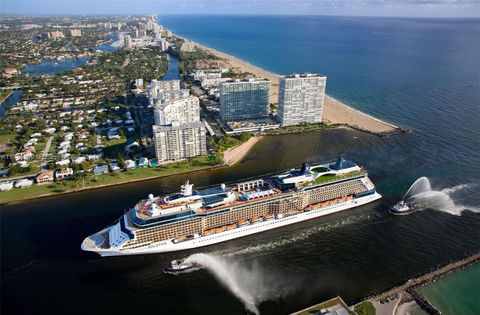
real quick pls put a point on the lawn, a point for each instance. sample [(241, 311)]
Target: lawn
[(365, 308), (7, 137)]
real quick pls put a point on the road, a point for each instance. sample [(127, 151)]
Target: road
[(43, 161)]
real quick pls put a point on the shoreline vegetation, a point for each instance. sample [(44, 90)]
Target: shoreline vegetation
[(105, 180), (335, 113)]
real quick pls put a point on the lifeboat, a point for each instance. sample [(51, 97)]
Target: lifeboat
[(230, 227), (269, 216), (324, 204), (243, 222), (208, 232), (256, 219), (220, 229), (349, 197)]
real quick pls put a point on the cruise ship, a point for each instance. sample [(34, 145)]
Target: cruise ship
[(195, 218)]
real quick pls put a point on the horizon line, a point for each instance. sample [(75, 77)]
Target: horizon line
[(237, 15)]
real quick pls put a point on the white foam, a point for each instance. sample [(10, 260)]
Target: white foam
[(250, 284), (423, 196)]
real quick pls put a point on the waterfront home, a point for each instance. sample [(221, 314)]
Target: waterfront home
[(130, 164), (9, 72), (22, 183), (114, 167), (6, 186), (44, 177), (143, 162), (100, 169), (64, 173)]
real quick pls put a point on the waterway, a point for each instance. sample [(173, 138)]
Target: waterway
[(11, 100), (52, 67), (173, 72)]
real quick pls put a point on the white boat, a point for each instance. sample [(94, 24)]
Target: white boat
[(195, 218), (180, 266), (402, 208)]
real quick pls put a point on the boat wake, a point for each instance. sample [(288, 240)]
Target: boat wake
[(251, 284), (265, 248), (423, 196)]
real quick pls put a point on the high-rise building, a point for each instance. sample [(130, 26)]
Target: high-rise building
[(180, 141), (56, 35), (75, 33), (159, 92), (244, 99), (183, 110), (128, 41), (301, 99)]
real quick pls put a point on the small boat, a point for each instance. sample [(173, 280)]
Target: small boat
[(208, 232), (230, 227), (243, 222), (269, 216), (256, 220), (180, 266), (220, 229), (401, 208)]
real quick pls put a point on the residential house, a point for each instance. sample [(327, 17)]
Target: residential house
[(44, 177)]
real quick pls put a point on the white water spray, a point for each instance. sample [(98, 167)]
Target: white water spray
[(423, 196), (250, 284)]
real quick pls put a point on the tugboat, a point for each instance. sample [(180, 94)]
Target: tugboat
[(402, 208), (180, 266)]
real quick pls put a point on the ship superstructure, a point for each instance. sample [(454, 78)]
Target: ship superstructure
[(194, 218)]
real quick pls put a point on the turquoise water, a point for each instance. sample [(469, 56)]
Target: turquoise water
[(457, 293)]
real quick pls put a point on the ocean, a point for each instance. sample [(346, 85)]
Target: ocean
[(422, 74), (462, 287)]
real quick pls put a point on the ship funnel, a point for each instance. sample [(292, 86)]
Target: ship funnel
[(304, 168), (150, 197)]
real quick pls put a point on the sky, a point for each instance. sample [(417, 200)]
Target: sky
[(408, 8)]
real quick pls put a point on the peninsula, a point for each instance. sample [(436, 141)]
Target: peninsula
[(335, 112)]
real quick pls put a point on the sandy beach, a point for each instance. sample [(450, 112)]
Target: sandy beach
[(234, 155), (335, 112)]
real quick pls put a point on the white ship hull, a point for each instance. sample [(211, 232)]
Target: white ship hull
[(170, 246)]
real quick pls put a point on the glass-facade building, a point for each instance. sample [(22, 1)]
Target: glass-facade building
[(244, 99)]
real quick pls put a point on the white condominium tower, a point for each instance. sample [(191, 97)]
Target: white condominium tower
[(178, 132), (180, 141), (301, 99), (244, 99), (159, 92), (184, 110)]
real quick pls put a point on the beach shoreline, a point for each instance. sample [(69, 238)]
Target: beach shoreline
[(335, 112), (236, 154)]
